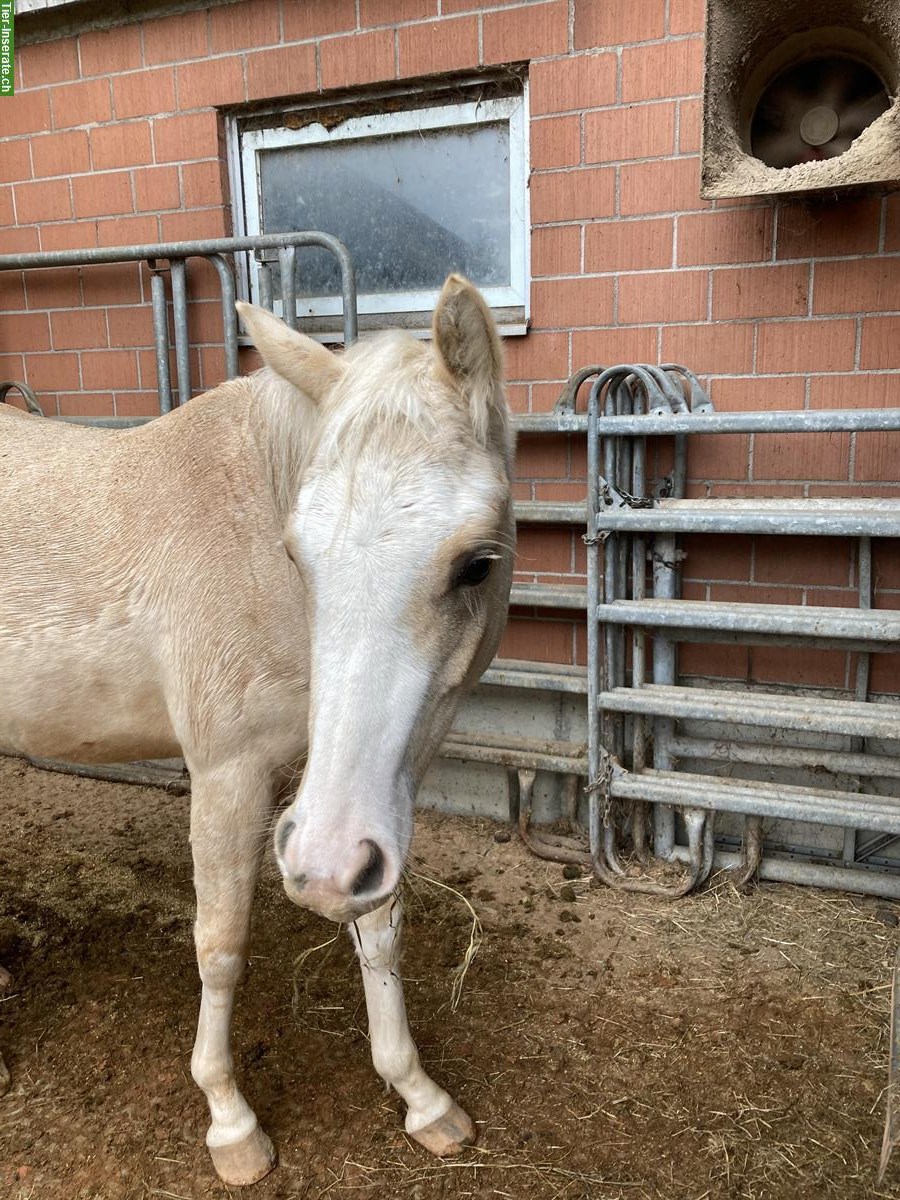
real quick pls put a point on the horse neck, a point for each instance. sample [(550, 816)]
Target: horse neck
[(290, 420)]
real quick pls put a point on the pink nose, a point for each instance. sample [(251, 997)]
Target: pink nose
[(360, 884)]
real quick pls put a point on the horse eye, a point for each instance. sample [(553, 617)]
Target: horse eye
[(475, 571)]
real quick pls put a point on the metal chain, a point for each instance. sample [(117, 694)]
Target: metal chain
[(610, 495), (601, 784)]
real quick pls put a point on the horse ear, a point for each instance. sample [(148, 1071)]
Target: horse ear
[(292, 355), (468, 346)]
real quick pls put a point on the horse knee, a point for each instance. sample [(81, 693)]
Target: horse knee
[(220, 970)]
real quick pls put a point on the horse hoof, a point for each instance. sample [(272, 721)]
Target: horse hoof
[(4, 1077), (448, 1134), (241, 1163)]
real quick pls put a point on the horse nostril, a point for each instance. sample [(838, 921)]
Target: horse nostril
[(281, 838), (370, 877)]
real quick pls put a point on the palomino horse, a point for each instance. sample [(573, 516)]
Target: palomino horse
[(311, 561)]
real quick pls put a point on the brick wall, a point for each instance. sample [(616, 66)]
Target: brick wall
[(114, 137)]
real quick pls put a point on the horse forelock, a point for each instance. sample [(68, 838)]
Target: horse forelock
[(393, 395)]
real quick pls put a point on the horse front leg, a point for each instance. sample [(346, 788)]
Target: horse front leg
[(433, 1117), (229, 812)]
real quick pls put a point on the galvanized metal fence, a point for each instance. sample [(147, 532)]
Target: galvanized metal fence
[(644, 723)]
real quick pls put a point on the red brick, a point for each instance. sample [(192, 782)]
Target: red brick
[(123, 145), (569, 303), (641, 131), (758, 393), (286, 72), (877, 455), (670, 185), (687, 16), (812, 456), (196, 223), (555, 142), (136, 404), (543, 550), (883, 678), (663, 70), (54, 288), (629, 245), (537, 356), (797, 665), (108, 51), (12, 294), (245, 26), (183, 139), (118, 283), (538, 640), (130, 326), (714, 661), (760, 292), (812, 561), (205, 321), (85, 404), (690, 116), (68, 235), (880, 347), (611, 24), (438, 46), (572, 84), (853, 391), (52, 372), (864, 285), (26, 331), (823, 229), (81, 103), (48, 62), (524, 33), (391, 12), (12, 366), (796, 346), (573, 195), (27, 112), (15, 162), (361, 58), (719, 456), (144, 93), (78, 329), (610, 346), (203, 186), (61, 153), (731, 236), (102, 195), (517, 397), (892, 222), (156, 189), (212, 366), (214, 81), (302, 21), (710, 349), (542, 457), (44, 201), (128, 231), (662, 296), (176, 38), (109, 369), (715, 556), (556, 250)]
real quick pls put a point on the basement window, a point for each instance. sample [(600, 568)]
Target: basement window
[(414, 193)]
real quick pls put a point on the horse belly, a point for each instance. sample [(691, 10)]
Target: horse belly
[(66, 702)]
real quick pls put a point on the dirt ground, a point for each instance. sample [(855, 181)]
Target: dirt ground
[(609, 1047)]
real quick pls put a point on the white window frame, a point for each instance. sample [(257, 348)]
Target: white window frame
[(513, 109)]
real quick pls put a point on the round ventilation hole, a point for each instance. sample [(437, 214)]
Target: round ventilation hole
[(815, 110)]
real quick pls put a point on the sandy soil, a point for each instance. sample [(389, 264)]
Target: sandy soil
[(609, 1047)]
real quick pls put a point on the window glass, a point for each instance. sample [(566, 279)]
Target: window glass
[(410, 207)]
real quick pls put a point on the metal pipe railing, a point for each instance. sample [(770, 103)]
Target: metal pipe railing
[(215, 250)]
